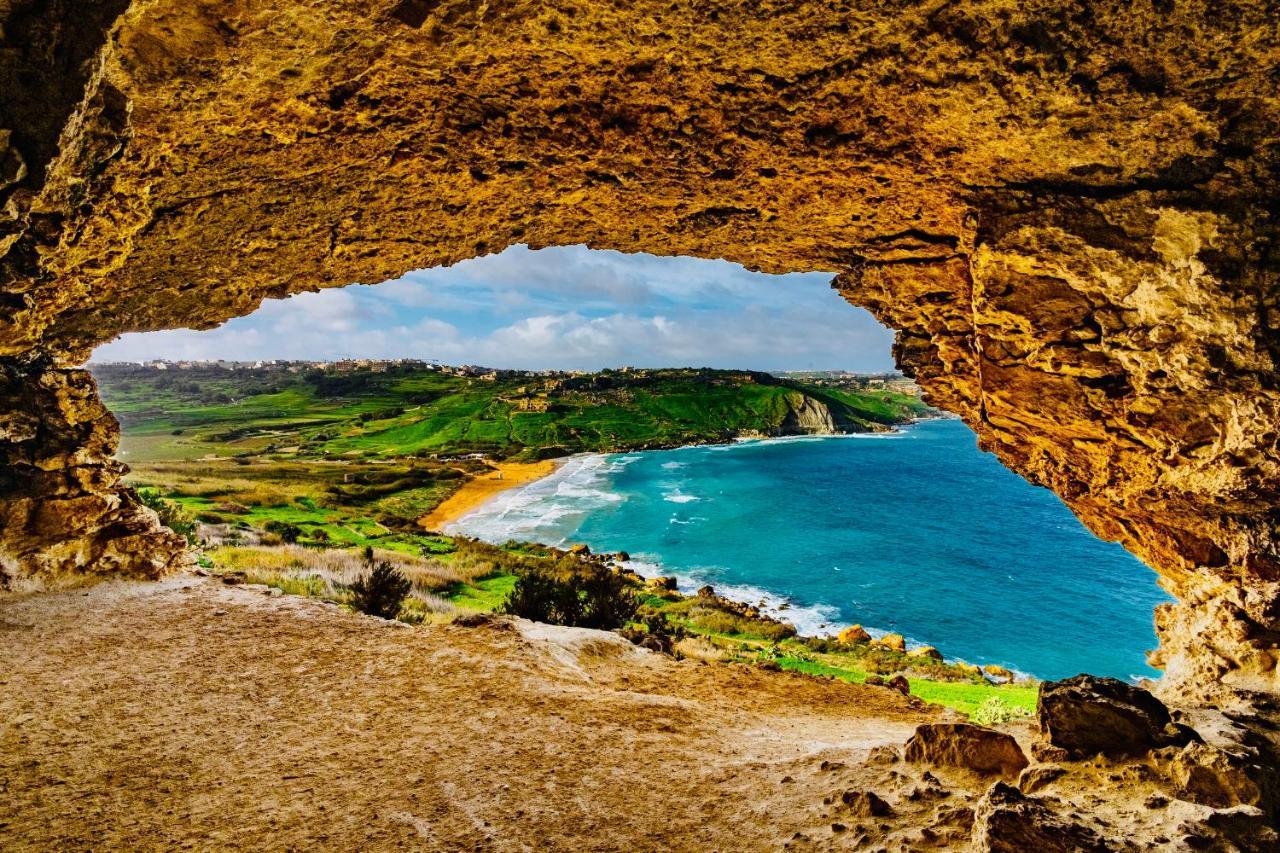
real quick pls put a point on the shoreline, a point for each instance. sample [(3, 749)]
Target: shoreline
[(475, 492), (775, 605), (478, 491)]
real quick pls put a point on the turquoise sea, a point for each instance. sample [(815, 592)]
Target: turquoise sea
[(915, 531)]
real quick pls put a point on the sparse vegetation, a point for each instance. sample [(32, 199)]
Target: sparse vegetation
[(997, 710), (172, 514)]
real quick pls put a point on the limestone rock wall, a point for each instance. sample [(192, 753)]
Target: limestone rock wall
[(1066, 208), (65, 516)]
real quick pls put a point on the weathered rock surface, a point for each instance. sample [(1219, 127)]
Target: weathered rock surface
[(865, 804), (1086, 715), (1209, 776), (895, 642), (853, 635), (64, 511), (969, 747), (1006, 821)]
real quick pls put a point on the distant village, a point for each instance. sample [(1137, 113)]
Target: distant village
[(342, 365), (831, 378)]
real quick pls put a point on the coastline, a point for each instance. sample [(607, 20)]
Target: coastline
[(477, 491), (816, 621), (811, 620)]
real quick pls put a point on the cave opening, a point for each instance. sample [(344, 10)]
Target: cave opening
[(947, 547)]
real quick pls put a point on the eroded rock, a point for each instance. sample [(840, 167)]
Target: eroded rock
[(853, 635), (865, 804), (894, 642), (1034, 778), (1006, 821), (1209, 776), (969, 747), (1086, 715)]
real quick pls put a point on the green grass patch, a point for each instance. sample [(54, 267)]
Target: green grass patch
[(484, 595)]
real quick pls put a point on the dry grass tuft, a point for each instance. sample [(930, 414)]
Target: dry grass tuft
[(339, 567)]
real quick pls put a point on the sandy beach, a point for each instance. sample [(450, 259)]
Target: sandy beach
[(477, 490)]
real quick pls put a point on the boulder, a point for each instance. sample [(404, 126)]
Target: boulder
[(893, 641), (853, 635), (580, 549), (1006, 821), (666, 584), (865, 804), (996, 671), (981, 750), (1086, 715), (900, 684), (707, 591), (1210, 777), (925, 652)]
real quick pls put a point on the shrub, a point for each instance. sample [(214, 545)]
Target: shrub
[(288, 533), (381, 592), (995, 711), (581, 597), (172, 514), (540, 597)]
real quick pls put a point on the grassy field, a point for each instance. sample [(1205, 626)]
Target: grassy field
[(207, 411), (288, 476), (355, 458)]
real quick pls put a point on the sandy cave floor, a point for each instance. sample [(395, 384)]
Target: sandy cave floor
[(187, 714), (190, 714)]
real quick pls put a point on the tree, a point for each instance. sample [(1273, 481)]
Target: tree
[(380, 592)]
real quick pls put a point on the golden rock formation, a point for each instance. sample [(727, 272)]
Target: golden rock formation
[(1067, 210)]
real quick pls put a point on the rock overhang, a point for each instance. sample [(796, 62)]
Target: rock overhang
[(1065, 209)]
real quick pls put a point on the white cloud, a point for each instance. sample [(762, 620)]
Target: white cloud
[(556, 308)]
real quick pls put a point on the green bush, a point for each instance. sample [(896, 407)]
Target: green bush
[(583, 596), (540, 597), (172, 514), (287, 532), (995, 711), (381, 592)]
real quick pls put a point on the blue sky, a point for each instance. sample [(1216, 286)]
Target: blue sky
[(562, 308)]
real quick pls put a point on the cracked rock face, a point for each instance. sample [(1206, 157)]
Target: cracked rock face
[(1066, 209)]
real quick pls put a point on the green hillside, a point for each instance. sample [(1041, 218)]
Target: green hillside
[(412, 411)]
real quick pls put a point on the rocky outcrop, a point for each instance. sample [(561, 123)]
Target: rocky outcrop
[(1006, 821), (806, 416), (1209, 776), (854, 635), (1085, 716), (1065, 208), (984, 751), (66, 516)]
